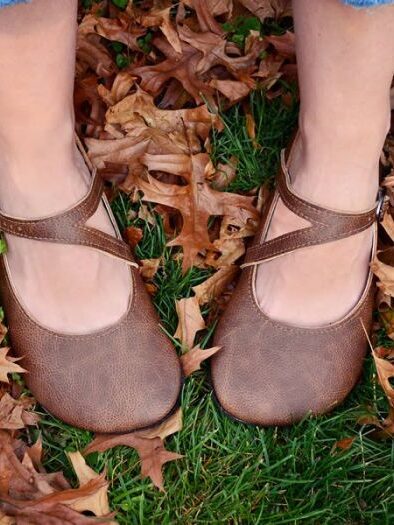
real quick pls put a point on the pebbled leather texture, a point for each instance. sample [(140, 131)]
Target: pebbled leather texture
[(118, 379), (273, 373)]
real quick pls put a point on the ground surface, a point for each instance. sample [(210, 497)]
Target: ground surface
[(232, 473)]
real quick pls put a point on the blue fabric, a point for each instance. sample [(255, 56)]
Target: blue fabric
[(4, 3), (367, 3), (355, 3)]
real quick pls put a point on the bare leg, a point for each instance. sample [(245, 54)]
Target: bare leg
[(346, 63), (67, 288)]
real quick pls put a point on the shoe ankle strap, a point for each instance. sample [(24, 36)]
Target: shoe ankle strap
[(326, 225), (69, 227)]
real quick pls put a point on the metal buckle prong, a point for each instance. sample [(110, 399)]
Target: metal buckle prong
[(382, 204)]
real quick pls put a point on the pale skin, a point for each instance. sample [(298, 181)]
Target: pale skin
[(70, 289), (346, 64), (345, 59)]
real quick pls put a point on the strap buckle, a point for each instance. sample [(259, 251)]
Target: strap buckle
[(382, 205)]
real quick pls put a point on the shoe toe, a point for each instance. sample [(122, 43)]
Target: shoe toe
[(278, 379), (121, 382)]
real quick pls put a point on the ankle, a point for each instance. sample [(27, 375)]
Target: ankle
[(42, 175), (338, 169)]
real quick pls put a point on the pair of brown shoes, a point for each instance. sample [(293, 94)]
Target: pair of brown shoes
[(128, 376)]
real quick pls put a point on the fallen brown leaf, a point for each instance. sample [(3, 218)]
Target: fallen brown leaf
[(384, 429), (387, 319), (133, 235), (196, 201), (96, 502), (149, 268), (168, 427), (344, 444), (161, 19), (215, 285), (13, 413), (120, 88), (190, 321), (8, 365), (152, 453), (383, 268), (268, 8), (385, 370), (224, 174), (230, 251), (191, 360)]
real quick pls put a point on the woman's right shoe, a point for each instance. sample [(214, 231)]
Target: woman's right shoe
[(119, 379), (271, 372)]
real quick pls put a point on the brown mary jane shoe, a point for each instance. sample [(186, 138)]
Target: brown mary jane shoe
[(117, 379), (272, 373)]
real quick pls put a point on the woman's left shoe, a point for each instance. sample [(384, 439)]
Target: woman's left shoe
[(273, 373)]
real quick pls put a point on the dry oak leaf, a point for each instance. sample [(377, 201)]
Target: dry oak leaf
[(3, 332), (216, 7), (88, 107), (268, 8), (388, 224), (88, 497), (251, 126), (169, 426), (35, 454), (27, 490), (230, 251), (196, 201), (148, 443), (133, 235), (383, 267), (97, 502), (151, 452), (205, 16), (224, 175), (118, 151), (161, 18), (385, 371), (216, 51), (215, 285), (190, 321), (120, 29), (19, 478), (191, 361), (284, 44), (343, 444), (149, 268), (8, 365), (238, 227), (387, 318), (14, 414), (384, 429), (233, 90), (181, 66), (47, 513), (91, 51), (120, 88), (139, 108)]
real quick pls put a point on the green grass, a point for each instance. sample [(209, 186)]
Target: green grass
[(233, 473)]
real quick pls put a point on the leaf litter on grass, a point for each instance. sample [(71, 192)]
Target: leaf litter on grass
[(152, 80)]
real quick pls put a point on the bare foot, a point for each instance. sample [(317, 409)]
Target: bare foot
[(70, 289), (316, 285)]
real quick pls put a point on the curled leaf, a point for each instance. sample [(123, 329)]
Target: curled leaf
[(190, 321)]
